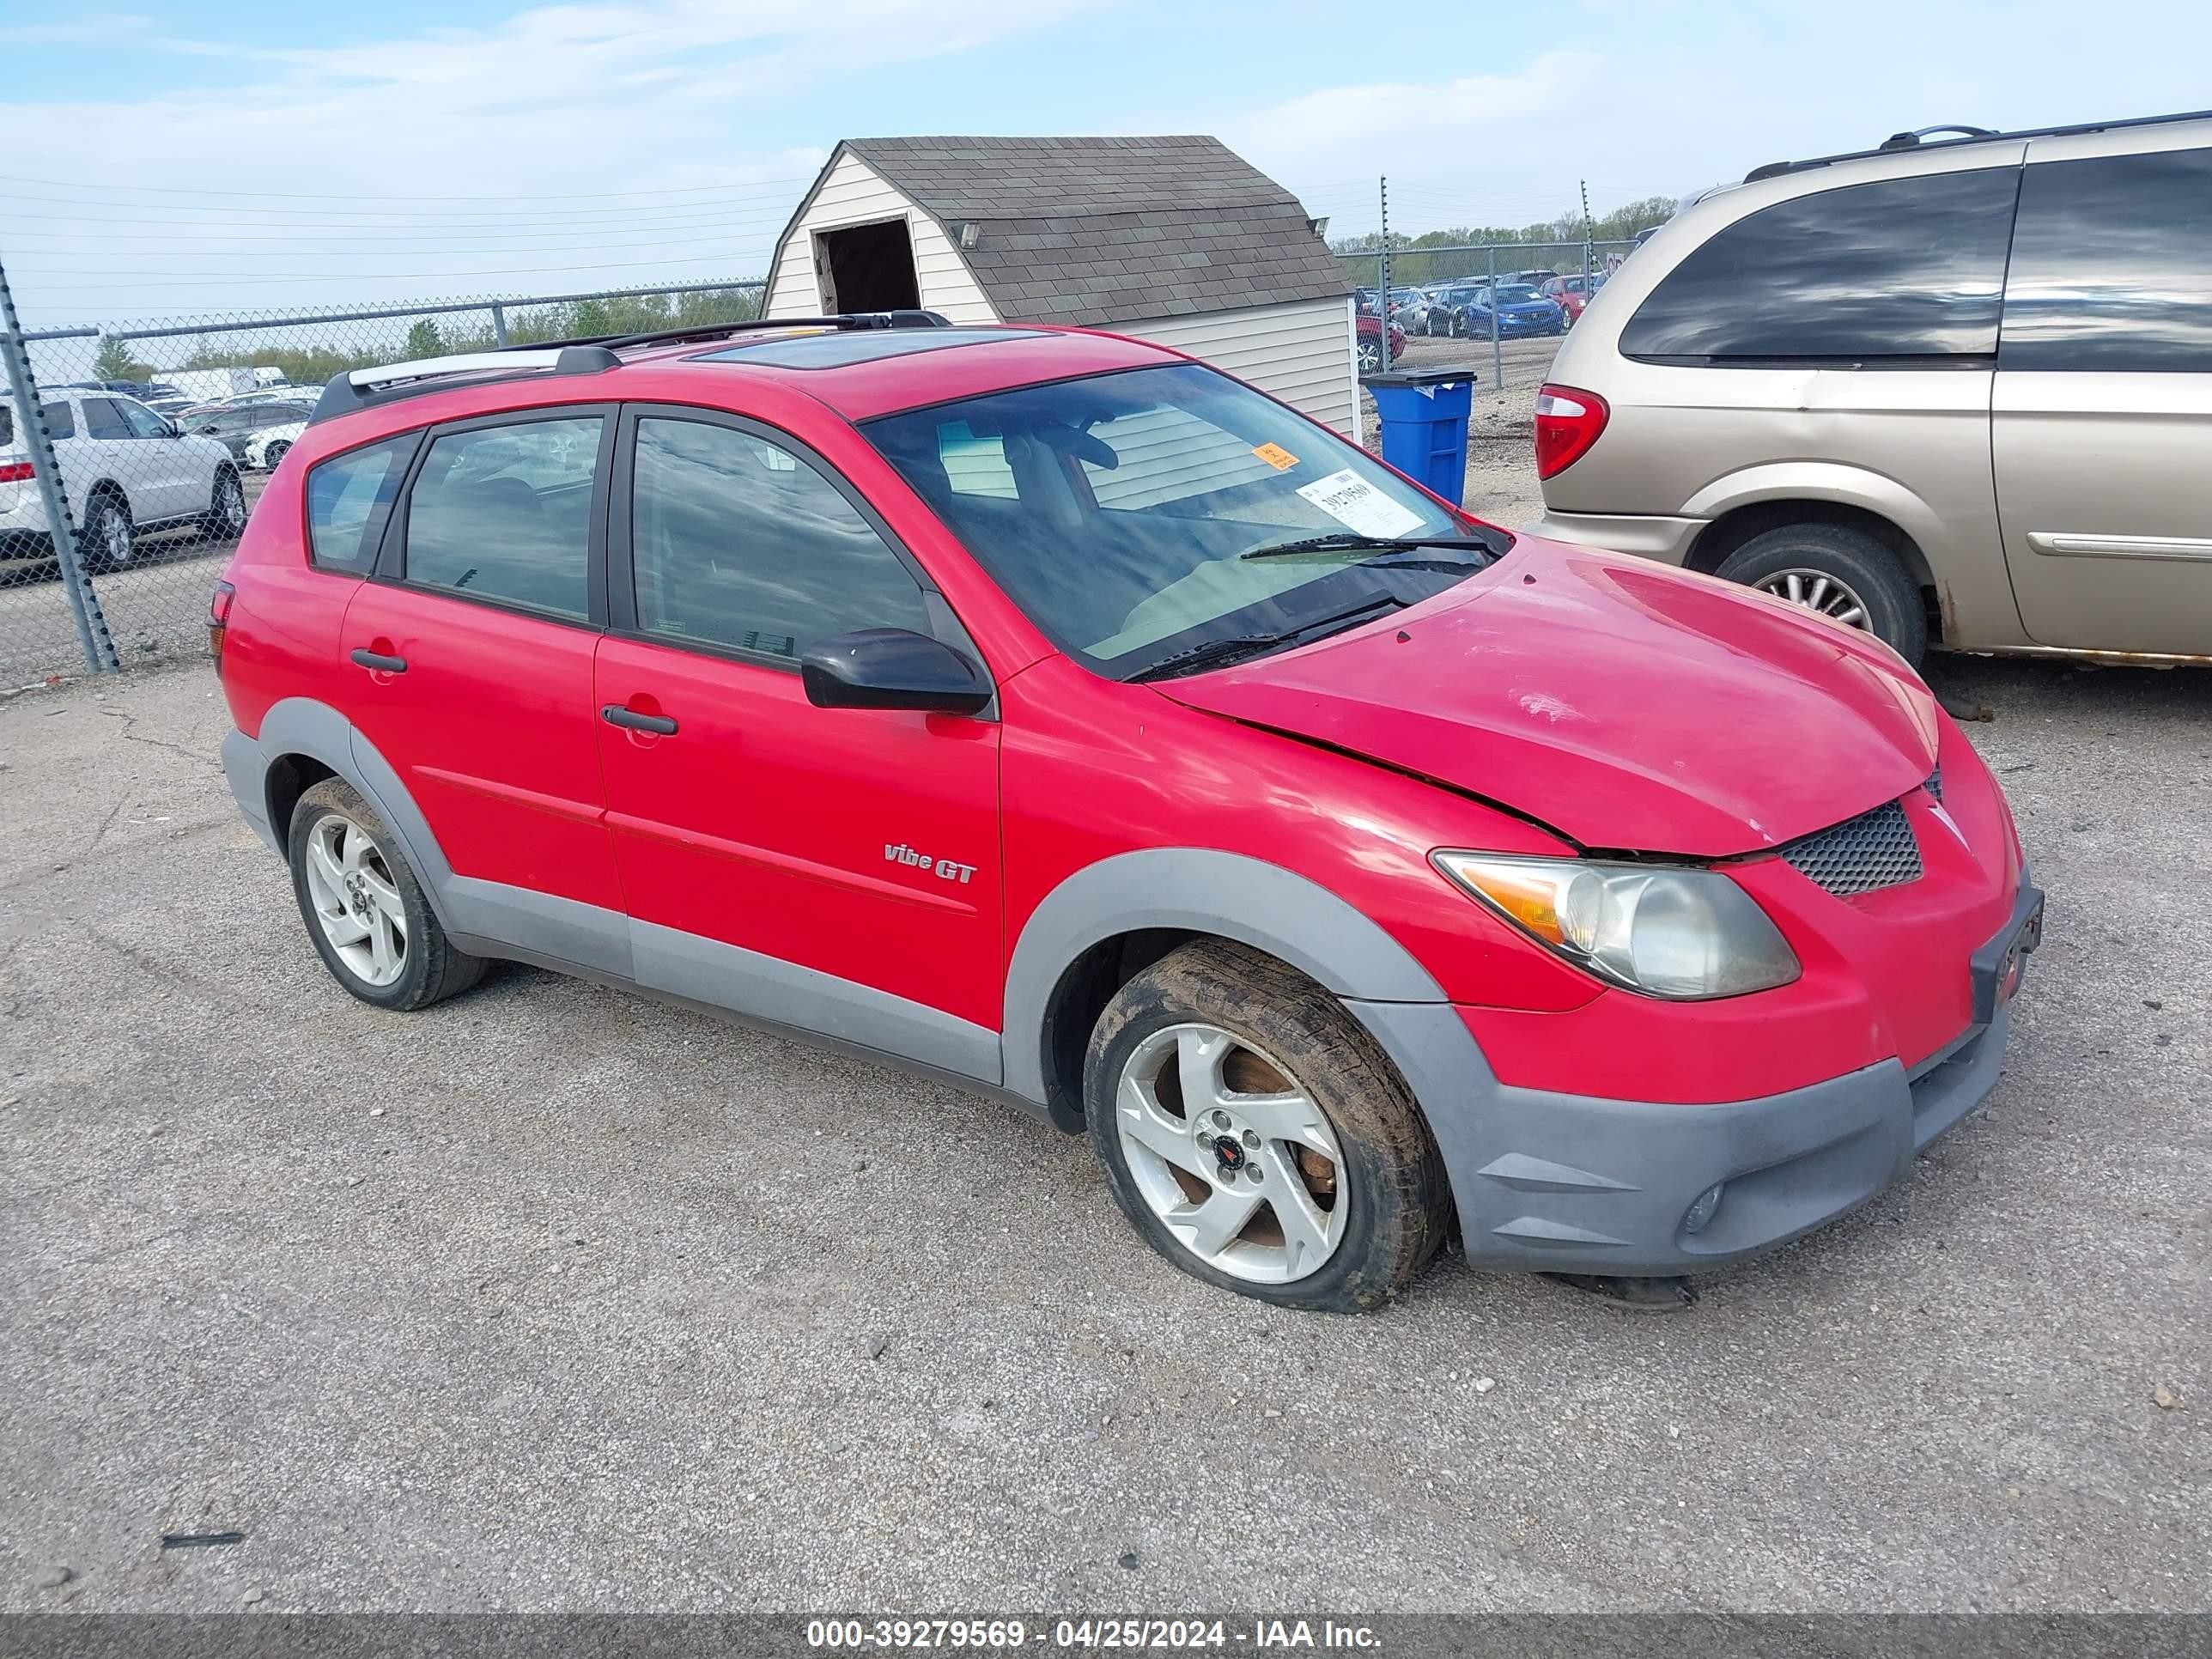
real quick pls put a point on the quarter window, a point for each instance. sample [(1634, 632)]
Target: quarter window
[(349, 496), (739, 542), (2108, 266), (1900, 268), (505, 513), (60, 418)]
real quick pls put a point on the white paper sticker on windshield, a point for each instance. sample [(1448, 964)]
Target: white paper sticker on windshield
[(1359, 506)]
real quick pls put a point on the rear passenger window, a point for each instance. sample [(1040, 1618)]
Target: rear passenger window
[(1901, 268), (505, 513), (349, 496), (60, 419), (737, 541), (2109, 269)]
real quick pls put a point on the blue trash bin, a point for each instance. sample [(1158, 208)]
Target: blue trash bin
[(1424, 413)]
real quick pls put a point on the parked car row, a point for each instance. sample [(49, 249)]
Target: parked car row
[(257, 429), (1526, 303)]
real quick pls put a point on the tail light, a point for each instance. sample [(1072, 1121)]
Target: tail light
[(17, 472), (1568, 421), (219, 604)]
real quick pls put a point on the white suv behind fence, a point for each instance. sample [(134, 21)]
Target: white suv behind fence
[(126, 471)]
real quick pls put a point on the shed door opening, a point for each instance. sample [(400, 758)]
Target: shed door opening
[(867, 268)]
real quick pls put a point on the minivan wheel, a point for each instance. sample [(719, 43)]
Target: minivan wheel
[(1844, 574), (365, 911), (1251, 1130)]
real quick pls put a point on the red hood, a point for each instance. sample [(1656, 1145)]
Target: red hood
[(1626, 704)]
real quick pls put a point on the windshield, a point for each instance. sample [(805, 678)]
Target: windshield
[(1515, 294), (1116, 509)]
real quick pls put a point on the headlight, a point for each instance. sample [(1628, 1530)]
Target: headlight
[(1686, 934)]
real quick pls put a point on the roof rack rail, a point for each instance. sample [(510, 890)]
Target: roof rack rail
[(848, 319), (360, 388), (1922, 139)]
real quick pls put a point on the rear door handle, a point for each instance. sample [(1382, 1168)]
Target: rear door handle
[(379, 662), (615, 714)]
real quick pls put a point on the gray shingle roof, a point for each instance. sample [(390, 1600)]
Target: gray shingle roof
[(1095, 231)]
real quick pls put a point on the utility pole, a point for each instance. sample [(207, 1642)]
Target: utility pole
[(92, 635), (1588, 237), (1383, 272)]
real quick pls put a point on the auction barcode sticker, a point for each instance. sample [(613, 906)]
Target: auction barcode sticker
[(1359, 506)]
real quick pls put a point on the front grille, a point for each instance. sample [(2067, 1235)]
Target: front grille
[(1874, 850)]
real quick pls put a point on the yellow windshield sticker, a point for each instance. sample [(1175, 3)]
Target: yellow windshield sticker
[(1277, 456)]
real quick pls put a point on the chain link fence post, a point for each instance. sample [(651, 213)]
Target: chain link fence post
[(92, 634)]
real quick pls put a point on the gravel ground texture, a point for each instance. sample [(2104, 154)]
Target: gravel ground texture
[(553, 1297)]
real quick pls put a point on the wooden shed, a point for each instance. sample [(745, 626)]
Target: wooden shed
[(1174, 239)]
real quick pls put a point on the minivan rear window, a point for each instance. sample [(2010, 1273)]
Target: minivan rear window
[(2109, 266), (1899, 268)]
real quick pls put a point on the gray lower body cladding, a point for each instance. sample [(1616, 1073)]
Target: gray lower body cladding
[(1570, 1183)]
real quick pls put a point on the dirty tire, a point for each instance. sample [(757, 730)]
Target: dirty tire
[(1392, 1175), (1895, 614), (434, 970)]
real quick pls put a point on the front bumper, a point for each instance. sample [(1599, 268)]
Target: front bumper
[(1574, 1184)]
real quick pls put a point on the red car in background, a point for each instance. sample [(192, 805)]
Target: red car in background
[(1370, 343), (1571, 293), (1051, 714)]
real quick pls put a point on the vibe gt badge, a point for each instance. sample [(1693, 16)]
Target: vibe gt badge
[(946, 869)]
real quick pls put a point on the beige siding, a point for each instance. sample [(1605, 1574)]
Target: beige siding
[(1300, 353), (855, 194)]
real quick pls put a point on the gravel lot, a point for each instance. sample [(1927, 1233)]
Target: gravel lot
[(552, 1297)]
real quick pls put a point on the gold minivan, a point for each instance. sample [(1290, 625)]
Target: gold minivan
[(1953, 390)]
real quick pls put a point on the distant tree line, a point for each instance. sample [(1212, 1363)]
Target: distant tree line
[(433, 337), (1410, 267)]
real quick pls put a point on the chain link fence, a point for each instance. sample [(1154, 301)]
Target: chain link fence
[(1501, 307), (149, 443)]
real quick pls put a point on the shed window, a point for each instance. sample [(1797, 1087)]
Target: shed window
[(867, 268)]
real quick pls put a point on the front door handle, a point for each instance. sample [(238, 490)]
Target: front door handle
[(615, 714), (378, 661)]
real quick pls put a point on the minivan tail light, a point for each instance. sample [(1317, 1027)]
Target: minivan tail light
[(219, 604), (17, 472), (1568, 421)]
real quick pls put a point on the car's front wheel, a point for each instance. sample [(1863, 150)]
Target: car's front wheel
[(1252, 1133), (365, 911), (273, 454), (1844, 574)]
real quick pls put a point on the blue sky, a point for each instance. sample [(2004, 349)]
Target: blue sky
[(199, 157)]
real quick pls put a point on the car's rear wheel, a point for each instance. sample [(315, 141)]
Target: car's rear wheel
[(1844, 574), (1255, 1136), (1371, 357), (110, 540), (365, 911), (225, 515)]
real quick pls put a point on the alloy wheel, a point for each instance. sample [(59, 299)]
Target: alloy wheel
[(1234, 1157), (1818, 590), (355, 900), (229, 507), (113, 530)]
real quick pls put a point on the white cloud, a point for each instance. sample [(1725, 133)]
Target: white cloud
[(1378, 118)]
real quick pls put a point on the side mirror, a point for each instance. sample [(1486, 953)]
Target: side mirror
[(891, 668)]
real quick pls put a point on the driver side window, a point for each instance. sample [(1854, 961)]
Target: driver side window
[(739, 542)]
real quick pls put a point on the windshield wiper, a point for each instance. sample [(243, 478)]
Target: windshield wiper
[(1213, 654), (1347, 541)]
